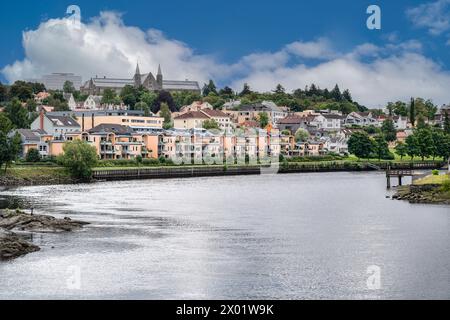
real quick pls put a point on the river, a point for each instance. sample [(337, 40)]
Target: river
[(294, 236)]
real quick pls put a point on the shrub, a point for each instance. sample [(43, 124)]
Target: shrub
[(435, 172), (33, 155), (79, 158), (446, 186)]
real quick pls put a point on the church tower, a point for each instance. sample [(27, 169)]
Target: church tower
[(159, 78), (137, 77)]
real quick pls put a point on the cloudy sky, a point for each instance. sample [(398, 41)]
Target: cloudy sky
[(294, 43)]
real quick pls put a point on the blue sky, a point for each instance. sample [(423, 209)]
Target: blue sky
[(229, 33)]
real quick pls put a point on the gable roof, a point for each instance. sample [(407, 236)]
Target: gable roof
[(63, 121), (215, 113), (192, 115)]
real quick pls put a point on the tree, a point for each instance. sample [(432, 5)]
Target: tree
[(411, 146), (400, 109), (21, 90), (226, 93), (401, 150), (446, 123), (17, 114), (336, 93), (424, 142), (79, 158), (3, 93), (263, 119), (164, 97), (279, 89), (5, 124), (301, 135), (68, 87), (412, 112), (9, 149), (108, 97), (360, 145), (441, 144), (33, 155), (381, 147), (430, 109), (31, 105), (129, 100), (166, 114), (210, 124), (209, 88), (347, 96), (388, 129), (246, 90)]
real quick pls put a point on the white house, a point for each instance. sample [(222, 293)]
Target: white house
[(57, 126), (361, 119), (330, 121), (92, 102), (401, 123), (70, 101)]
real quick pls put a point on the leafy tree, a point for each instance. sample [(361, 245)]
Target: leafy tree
[(164, 97), (263, 119), (388, 129), (226, 93), (424, 142), (129, 100), (400, 109), (31, 105), (148, 98), (79, 158), (446, 123), (441, 144), (17, 114), (21, 90), (9, 149), (301, 135), (360, 145), (5, 124), (166, 114), (412, 146), (210, 124), (401, 150), (108, 97), (430, 109), (33, 155), (381, 147), (412, 112), (68, 87)]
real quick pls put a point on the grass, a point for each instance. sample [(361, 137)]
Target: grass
[(35, 172), (432, 179)]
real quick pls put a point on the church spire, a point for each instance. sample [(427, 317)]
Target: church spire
[(137, 69), (159, 78)]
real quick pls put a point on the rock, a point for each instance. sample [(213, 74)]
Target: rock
[(13, 246), (17, 220)]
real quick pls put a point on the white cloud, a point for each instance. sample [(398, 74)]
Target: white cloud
[(434, 16), (106, 46), (320, 49)]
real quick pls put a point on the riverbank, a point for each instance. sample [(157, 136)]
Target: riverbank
[(55, 175), (13, 245), (429, 190)]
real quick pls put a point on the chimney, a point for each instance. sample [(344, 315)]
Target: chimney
[(82, 122), (92, 124), (41, 119)]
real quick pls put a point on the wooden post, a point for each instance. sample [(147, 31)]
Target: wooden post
[(399, 180)]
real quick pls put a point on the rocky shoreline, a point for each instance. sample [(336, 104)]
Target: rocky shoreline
[(10, 181), (13, 245), (427, 194)]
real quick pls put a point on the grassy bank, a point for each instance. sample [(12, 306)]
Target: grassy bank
[(431, 189), (19, 175)]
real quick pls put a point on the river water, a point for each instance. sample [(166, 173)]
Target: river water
[(295, 236)]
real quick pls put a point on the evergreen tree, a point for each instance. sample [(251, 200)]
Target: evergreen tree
[(412, 112), (246, 90), (3, 93), (279, 89), (68, 87), (347, 96), (336, 93), (360, 145), (388, 129)]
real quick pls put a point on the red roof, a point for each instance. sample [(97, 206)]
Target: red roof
[(192, 115)]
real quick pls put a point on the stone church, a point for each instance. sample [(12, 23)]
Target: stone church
[(96, 86)]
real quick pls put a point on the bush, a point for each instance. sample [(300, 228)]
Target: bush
[(33, 155), (79, 158), (435, 172), (446, 186)]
